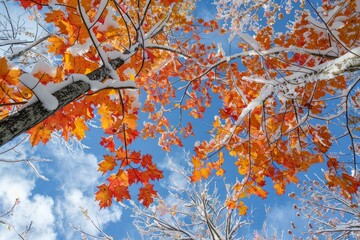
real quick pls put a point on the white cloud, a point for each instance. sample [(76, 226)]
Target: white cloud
[(176, 165), (73, 180), (279, 221), (36, 209), (69, 208), (178, 181), (77, 172)]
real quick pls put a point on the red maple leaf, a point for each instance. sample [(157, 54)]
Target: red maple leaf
[(147, 194), (28, 3), (108, 143), (149, 55), (169, 2), (146, 160), (121, 192)]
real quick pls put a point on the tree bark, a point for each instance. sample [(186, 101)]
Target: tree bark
[(29, 116)]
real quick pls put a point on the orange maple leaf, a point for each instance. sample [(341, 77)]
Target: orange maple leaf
[(230, 203), (169, 2), (9, 75), (135, 157), (147, 194), (130, 135), (54, 16), (242, 208), (108, 143), (279, 188), (134, 175), (120, 192), (130, 120), (103, 196), (39, 133), (119, 179), (154, 173), (79, 128), (107, 164), (146, 160), (57, 45), (257, 191)]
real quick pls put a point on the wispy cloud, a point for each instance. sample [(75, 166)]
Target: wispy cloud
[(17, 182), (73, 180), (279, 219), (174, 166), (78, 177)]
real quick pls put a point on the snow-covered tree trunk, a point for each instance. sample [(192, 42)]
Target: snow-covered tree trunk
[(29, 116), (35, 113)]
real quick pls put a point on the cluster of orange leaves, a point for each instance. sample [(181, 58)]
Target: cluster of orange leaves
[(271, 142), (8, 81), (117, 109)]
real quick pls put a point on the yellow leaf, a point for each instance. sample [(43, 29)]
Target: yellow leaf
[(69, 62), (105, 119), (130, 120), (80, 127), (220, 172), (242, 208), (221, 158), (7, 74), (130, 73), (205, 172), (107, 164), (196, 162), (279, 189), (39, 133), (217, 123), (57, 45)]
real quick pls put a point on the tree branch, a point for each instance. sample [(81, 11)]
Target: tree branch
[(29, 116)]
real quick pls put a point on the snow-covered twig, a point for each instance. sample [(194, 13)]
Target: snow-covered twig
[(32, 166)]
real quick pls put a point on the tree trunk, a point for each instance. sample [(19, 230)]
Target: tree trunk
[(29, 116)]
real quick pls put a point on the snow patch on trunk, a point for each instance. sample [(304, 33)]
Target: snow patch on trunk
[(41, 92)]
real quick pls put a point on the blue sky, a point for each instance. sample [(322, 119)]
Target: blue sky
[(72, 172), (53, 205)]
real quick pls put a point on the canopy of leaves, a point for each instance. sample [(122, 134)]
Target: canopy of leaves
[(280, 95)]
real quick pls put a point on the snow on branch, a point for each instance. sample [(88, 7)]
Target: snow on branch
[(329, 213), (158, 27), (31, 165), (13, 42), (41, 92), (349, 62), (265, 92), (44, 93)]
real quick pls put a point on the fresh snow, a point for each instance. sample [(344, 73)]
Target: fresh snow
[(109, 20), (44, 67), (13, 42), (249, 40), (41, 93), (44, 93), (97, 85), (79, 49), (102, 6)]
